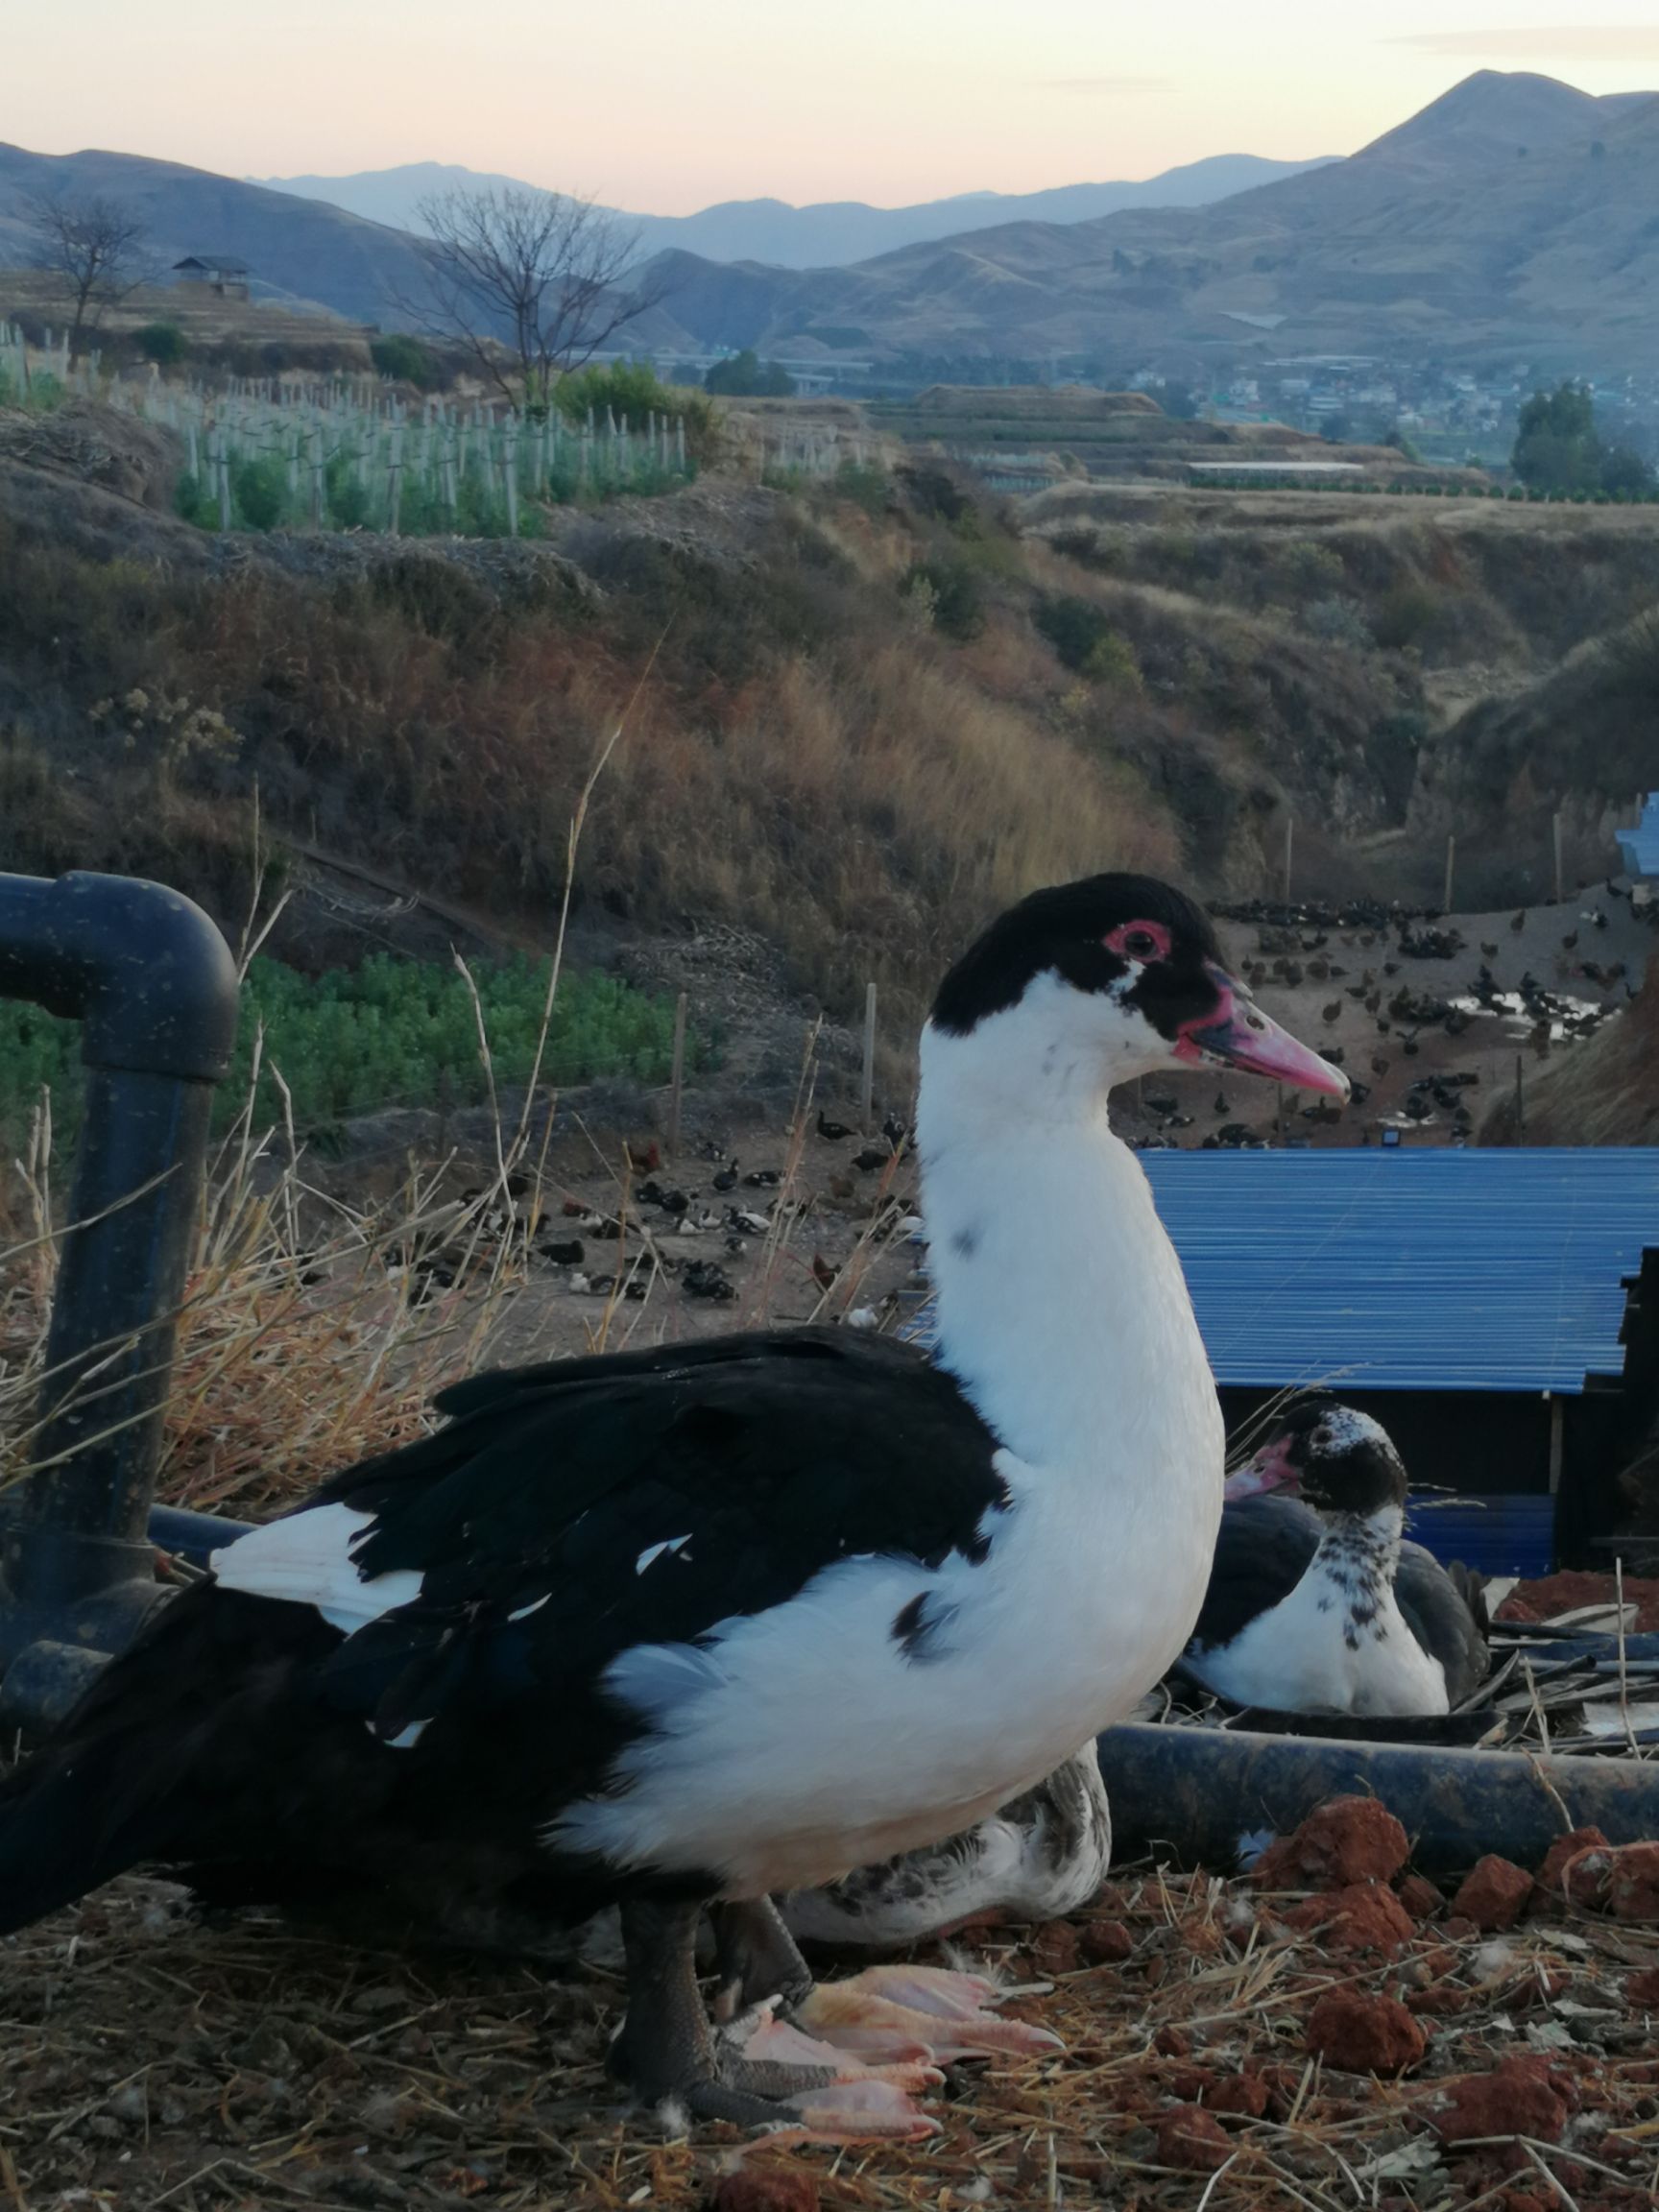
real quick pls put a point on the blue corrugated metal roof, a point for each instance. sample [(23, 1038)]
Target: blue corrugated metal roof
[(1411, 1270), (1639, 848)]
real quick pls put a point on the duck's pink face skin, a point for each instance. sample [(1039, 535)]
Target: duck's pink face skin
[(1269, 1470), (1237, 1034)]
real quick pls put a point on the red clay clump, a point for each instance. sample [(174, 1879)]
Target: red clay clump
[(1562, 1852), (1621, 1879), (1546, 1595), (1492, 1893), (1643, 1988), (1420, 1897), (1362, 1917), (1364, 2034), (1351, 1840), (1054, 1947), (1518, 2098), (1193, 2139), (766, 2189), (1242, 2093), (1105, 1942)]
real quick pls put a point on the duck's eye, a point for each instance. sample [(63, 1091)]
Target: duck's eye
[(1140, 941)]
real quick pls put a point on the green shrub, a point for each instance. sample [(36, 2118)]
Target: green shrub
[(958, 599), (405, 359), (746, 378), (162, 342), (259, 491)]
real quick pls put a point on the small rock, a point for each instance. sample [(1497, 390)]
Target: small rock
[(1171, 2042), (1420, 1897), (1054, 1948), (1364, 2034), (1241, 2093), (1564, 1849), (1362, 1917), (1643, 1988), (766, 2189), (1518, 2098), (1348, 1841), (1458, 1928), (1192, 2139), (1492, 1893), (1105, 1942)]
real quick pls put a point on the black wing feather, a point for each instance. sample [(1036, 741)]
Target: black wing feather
[(1264, 1548), (774, 1457)]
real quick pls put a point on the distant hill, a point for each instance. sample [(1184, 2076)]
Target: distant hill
[(828, 235), (298, 250), (1514, 217)]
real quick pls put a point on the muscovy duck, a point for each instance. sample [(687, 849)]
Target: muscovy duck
[(1315, 1604), (695, 1624)]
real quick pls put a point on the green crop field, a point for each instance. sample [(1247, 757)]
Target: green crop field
[(390, 1033)]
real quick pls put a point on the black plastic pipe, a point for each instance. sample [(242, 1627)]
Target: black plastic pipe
[(1198, 1792), (154, 986)]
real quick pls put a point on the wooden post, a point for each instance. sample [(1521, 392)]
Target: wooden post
[(867, 1091), (1289, 841), (677, 1079), (1450, 861), (1520, 1105), (396, 468), (1560, 891), (1558, 1407)]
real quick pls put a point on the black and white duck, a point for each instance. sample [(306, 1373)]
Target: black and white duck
[(697, 1625), (1316, 1603)]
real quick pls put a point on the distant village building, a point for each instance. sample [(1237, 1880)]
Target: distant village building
[(219, 272)]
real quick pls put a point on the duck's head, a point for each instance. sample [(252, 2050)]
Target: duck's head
[(1089, 984), (1339, 1460)]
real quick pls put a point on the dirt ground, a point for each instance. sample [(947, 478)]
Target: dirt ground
[(1336, 2032)]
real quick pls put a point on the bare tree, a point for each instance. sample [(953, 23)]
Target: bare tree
[(97, 244), (547, 277)]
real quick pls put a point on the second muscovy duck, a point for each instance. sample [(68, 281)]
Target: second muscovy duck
[(693, 1625), (1316, 1604)]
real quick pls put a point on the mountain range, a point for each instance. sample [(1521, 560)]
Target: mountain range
[(1515, 219), (828, 235)]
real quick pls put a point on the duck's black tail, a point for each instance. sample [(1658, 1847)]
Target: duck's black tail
[(161, 1757)]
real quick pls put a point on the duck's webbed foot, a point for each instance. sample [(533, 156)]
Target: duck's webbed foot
[(758, 2073)]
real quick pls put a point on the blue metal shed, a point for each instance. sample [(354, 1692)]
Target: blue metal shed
[(1412, 1269), (1486, 1304), (1639, 847)]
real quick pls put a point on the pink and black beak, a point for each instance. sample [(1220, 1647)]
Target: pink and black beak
[(1269, 1470), (1237, 1034)]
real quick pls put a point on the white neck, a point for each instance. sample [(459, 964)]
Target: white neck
[(1366, 1544), (1062, 1307)]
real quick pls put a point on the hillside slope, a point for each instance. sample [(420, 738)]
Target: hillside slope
[(297, 249)]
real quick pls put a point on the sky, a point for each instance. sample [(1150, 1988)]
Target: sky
[(662, 106)]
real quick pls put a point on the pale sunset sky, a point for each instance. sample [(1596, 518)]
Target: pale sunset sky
[(664, 106)]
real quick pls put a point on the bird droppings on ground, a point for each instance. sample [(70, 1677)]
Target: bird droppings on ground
[(1215, 2037)]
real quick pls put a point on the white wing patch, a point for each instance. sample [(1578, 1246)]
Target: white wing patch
[(654, 1551), (306, 1559)]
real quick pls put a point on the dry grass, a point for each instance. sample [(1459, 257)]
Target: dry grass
[(156, 2059)]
